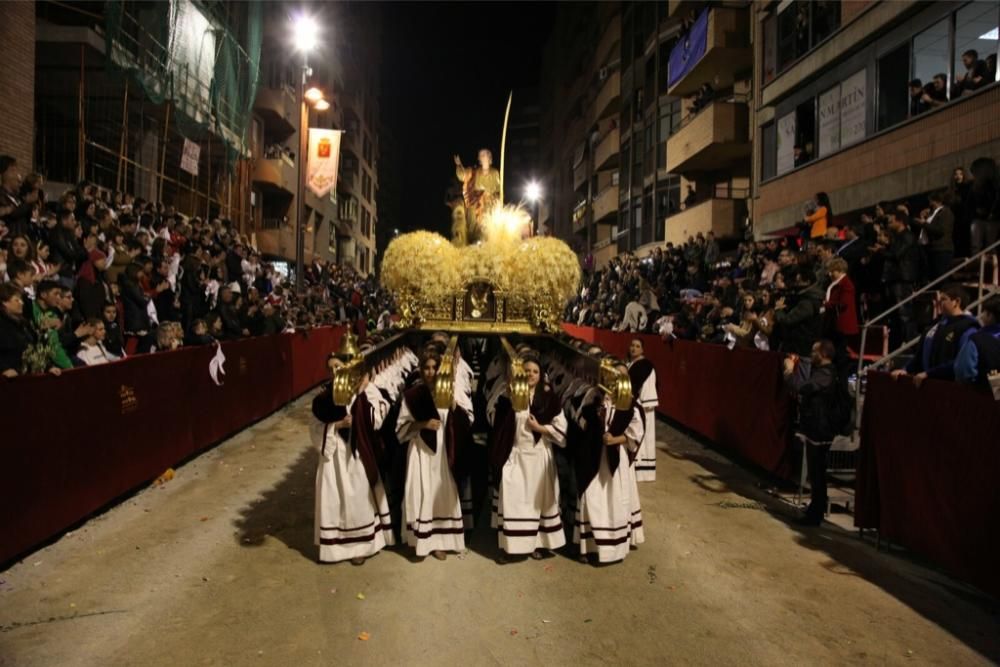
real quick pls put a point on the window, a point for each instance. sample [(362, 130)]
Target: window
[(976, 30), (805, 132), (930, 56), (668, 201), (650, 222), (893, 104), (636, 231), (801, 26), (770, 39)]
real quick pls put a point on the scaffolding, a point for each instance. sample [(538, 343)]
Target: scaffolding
[(178, 72)]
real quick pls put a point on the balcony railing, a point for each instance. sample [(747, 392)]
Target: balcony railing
[(606, 205), (713, 139), (723, 217), (726, 50), (580, 174), (277, 108), (606, 153), (276, 173), (609, 97)]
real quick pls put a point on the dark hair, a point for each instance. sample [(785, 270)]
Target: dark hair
[(823, 199), (64, 214), (16, 266), (826, 348), (47, 286), (428, 356), (992, 306), (971, 53), (6, 162), (939, 196), (916, 83), (956, 292), (8, 291), (942, 76), (638, 340), (94, 321)]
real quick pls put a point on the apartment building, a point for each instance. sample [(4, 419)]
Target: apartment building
[(625, 143), (340, 228), (832, 109)]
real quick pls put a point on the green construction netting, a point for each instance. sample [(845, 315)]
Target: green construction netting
[(201, 56)]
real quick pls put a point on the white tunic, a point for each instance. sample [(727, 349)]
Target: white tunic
[(352, 519), (526, 503), (645, 462), (608, 516), (432, 513)]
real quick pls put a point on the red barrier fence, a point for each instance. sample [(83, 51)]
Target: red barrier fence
[(74, 443), (735, 398), (930, 459)]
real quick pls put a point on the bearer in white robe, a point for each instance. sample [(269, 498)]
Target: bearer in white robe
[(643, 376), (432, 512), (526, 497), (608, 520), (352, 514)]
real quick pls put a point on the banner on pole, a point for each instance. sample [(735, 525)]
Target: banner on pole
[(189, 159), (323, 161)]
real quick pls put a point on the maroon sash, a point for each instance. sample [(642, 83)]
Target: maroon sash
[(420, 403), (588, 453), (364, 441), (457, 427), (544, 408), (638, 373)]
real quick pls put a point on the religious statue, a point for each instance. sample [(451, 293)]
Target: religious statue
[(480, 190)]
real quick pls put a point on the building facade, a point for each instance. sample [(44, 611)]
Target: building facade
[(340, 228), (635, 157), (832, 109)]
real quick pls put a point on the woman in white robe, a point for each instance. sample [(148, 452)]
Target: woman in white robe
[(526, 496), (432, 512), (352, 515), (608, 516), (643, 376)]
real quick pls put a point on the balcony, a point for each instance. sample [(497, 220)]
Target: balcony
[(277, 175), (607, 47), (727, 50), (609, 98), (580, 174), (723, 217), (606, 205), (277, 108), (580, 217), (606, 153), (715, 138), (680, 8)]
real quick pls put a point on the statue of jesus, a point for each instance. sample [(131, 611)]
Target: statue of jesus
[(480, 188)]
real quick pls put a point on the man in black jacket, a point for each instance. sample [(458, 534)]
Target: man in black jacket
[(800, 326), (817, 398), (14, 211), (901, 268), (936, 234), (65, 248), (232, 328)]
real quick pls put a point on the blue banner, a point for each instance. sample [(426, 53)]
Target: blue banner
[(687, 52)]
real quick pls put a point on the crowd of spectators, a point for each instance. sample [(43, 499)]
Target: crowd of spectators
[(96, 276), (789, 292)]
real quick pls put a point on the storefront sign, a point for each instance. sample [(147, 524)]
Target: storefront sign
[(853, 108), (189, 158), (786, 143), (829, 121)]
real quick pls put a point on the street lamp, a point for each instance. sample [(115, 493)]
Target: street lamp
[(533, 193), (305, 33)]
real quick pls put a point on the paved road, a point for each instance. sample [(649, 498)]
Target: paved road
[(217, 568)]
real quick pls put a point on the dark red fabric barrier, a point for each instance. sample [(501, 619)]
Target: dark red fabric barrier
[(74, 443), (735, 398), (928, 474)]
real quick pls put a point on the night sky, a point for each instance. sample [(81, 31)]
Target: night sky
[(447, 70)]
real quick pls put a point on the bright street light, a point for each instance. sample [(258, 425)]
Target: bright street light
[(321, 105), (313, 95), (533, 191), (306, 32)]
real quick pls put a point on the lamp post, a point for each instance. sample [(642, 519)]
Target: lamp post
[(306, 34), (533, 193)]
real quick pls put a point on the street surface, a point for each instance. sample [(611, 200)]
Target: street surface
[(216, 567)]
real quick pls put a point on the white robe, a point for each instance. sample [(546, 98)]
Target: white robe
[(352, 519), (526, 502), (608, 515), (645, 462), (432, 512)]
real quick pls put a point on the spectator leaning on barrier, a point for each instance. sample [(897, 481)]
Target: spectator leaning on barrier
[(980, 356), (939, 346), (92, 350), (820, 417)]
